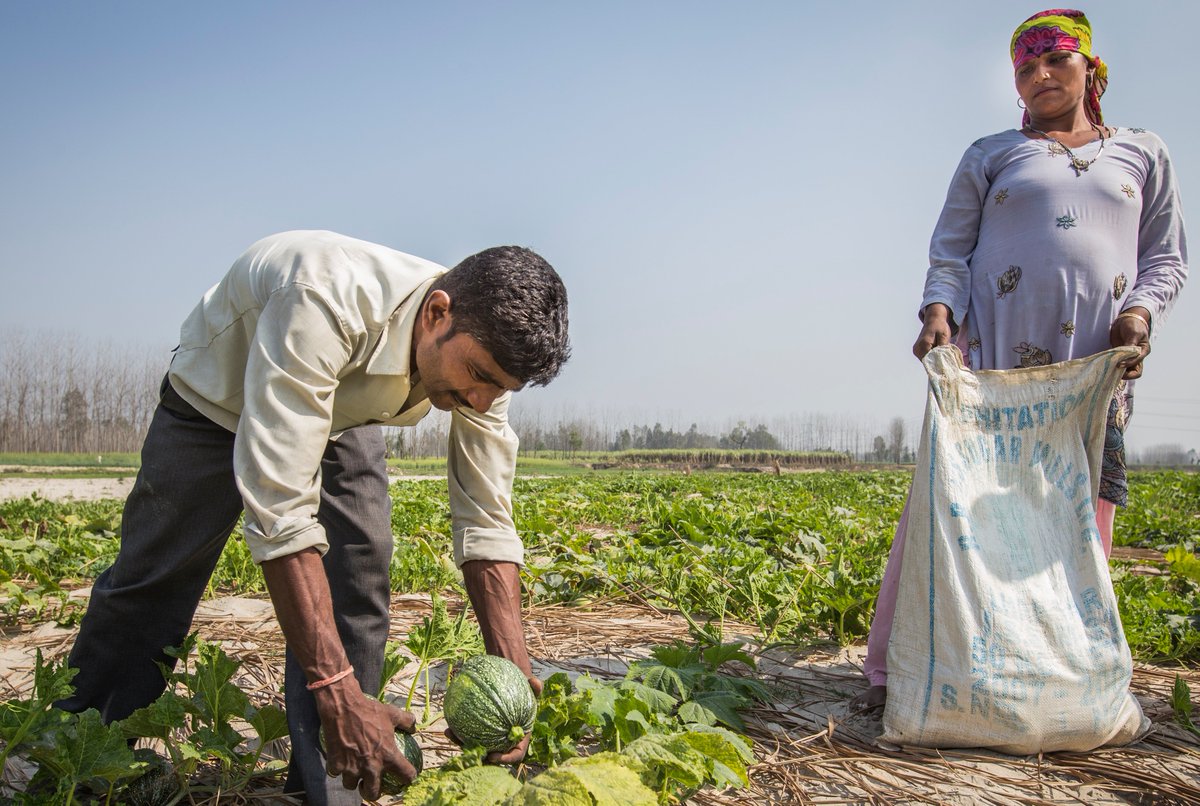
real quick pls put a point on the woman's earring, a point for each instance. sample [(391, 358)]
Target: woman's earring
[(1020, 103)]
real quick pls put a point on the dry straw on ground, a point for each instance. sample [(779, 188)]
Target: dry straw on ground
[(811, 748)]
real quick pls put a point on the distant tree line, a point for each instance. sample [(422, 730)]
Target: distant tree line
[(740, 437), (565, 435), (1168, 455), (60, 393)]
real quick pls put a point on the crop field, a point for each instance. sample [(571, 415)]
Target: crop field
[(710, 624)]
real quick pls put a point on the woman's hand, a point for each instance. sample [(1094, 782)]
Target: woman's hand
[(936, 330), (1131, 328)]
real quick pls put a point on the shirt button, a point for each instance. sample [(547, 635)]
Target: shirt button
[(385, 415)]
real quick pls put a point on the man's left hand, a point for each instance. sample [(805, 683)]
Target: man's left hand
[(494, 588)]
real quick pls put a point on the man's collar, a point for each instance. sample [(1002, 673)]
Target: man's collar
[(394, 350)]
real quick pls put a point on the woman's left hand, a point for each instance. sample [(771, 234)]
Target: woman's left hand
[(1132, 331)]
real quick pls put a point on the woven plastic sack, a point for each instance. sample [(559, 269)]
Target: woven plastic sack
[(1006, 634)]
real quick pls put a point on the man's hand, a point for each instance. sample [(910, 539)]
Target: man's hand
[(360, 742), (935, 331), (359, 732), (1132, 329), (495, 591)]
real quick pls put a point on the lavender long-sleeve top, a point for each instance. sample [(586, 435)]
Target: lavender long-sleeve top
[(1035, 261)]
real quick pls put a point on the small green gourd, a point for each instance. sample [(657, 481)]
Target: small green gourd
[(489, 703)]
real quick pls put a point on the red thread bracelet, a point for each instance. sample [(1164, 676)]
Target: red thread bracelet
[(331, 679)]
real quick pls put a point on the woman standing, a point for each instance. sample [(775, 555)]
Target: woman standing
[(1057, 241)]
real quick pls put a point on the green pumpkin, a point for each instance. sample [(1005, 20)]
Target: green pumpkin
[(412, 751), (489, 703), (157, 785)]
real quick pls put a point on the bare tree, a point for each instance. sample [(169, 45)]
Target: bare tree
[(61, 393), (896, 439)]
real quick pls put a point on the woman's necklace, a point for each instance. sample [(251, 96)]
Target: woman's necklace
[(1078, 164)]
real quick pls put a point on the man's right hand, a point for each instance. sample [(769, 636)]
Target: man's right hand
[(935, 332), (360, 742)]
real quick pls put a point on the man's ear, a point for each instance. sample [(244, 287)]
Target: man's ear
[(435, 311)]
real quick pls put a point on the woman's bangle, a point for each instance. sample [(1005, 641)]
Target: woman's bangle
[(328, 681), (1134, 315)]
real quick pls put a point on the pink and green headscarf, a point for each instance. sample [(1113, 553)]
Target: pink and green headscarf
[(1061, 29)]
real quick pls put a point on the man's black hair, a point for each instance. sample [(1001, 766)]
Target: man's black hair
[(514, 304)]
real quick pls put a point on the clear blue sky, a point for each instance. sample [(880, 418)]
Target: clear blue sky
[(739, 196)]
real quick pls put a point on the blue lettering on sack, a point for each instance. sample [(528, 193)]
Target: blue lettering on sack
[(1019, 418), (978, 449), (1061, 472), (1085, 511), (950, 698), (1024, 419), (1098, 619), (1041, 454)]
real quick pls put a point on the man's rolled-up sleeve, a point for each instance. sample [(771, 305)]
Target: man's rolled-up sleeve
[(298, 350), (481, 463)]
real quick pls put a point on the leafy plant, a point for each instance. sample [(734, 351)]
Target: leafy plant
[(393, 662), (23, 721), (1158, 614), (690, 675), (71, 750), (563, 717), (675, 765), (678, 691), (605, 778), (81, 750), (658, 768), (463, 781), (439, 638), (1183, 563), (1181, 705), (194, 718)]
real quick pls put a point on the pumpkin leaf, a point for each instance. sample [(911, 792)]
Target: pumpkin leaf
[(85, 749), (711, 707), (158, 719), (717, 656), (483, 785), (269, 722), (726, 759), (600, 780), (668, 758)]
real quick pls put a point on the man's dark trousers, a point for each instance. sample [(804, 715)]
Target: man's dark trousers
[(176, 521)]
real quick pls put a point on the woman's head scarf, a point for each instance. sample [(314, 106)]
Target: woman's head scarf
[(1061, 29)]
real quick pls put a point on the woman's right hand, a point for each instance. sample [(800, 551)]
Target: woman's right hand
[(936, 330)]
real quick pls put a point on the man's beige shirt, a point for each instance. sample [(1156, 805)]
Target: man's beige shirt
[(310, 334)]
